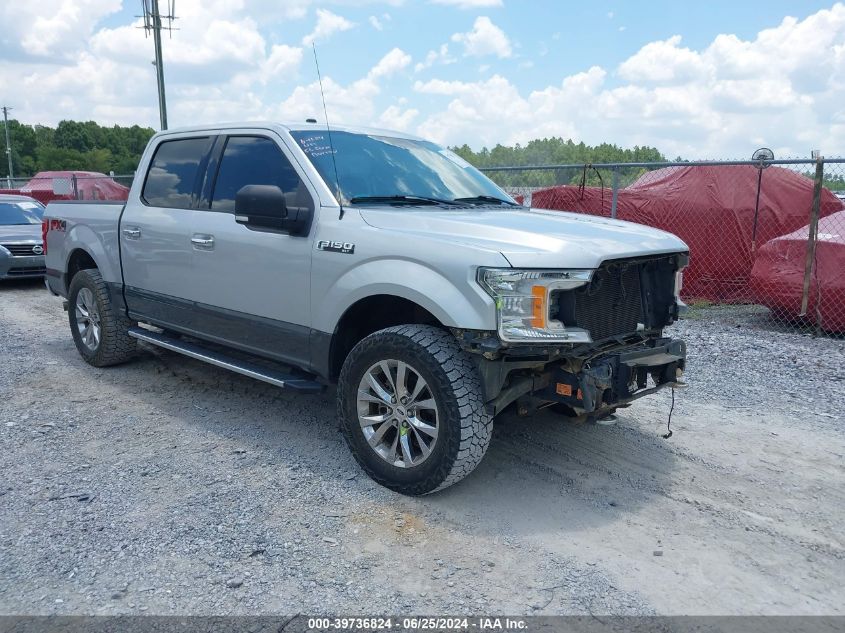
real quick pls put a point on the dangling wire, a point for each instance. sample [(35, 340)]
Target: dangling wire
[(666, 436)]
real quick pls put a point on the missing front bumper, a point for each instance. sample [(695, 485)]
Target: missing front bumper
[(616, 379)]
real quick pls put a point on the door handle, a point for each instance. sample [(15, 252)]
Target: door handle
[(203, 241), (133, 234)]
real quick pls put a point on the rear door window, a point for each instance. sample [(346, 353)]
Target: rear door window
[(255, 160), (172, 177)]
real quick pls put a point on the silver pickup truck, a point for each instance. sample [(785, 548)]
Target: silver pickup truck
[(378, 262)]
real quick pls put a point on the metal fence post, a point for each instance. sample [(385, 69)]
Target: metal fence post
[(615, 192), (813, 236)]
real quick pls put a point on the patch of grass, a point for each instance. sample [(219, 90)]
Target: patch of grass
[(700, 303), (696, 309)]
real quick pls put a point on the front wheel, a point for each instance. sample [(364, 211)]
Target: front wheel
[(411, 408)]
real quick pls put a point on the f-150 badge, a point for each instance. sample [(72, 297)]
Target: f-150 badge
[(346, 248)]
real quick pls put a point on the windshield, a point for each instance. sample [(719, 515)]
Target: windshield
[(386, 169), (12, 213)]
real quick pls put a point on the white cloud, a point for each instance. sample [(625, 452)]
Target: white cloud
[(441, 87), (328, 24), (218, 66), (353, 104), (663, 61), (469, 4), (440, 56), (395, 118), (719, 102), (379, 23), (784, 87), (283, 59), (394, 61), (205, 49), (485, 38), (57, 28)]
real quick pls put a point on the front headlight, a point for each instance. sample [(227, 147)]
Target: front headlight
[(523, 298)]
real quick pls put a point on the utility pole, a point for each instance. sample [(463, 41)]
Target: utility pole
[(8, 145), (162, 101), (152, 22)]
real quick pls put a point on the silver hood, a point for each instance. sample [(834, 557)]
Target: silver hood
[(532, 238), (13, 233)]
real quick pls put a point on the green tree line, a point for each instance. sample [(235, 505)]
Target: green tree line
[(73, 145), (78, 145), (557, 151)]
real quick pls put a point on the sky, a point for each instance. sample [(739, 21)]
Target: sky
[(714, 79)]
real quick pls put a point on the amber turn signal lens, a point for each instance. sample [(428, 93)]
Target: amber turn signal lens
[(538, 314)]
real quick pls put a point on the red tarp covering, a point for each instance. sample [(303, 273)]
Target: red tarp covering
[(42, 196), (777, 279), (90, 185), (712, 210)]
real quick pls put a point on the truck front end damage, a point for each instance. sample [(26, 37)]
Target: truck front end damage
[(588, 341), (616, 379)]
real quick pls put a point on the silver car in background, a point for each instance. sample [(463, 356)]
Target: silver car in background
[(21, 241)]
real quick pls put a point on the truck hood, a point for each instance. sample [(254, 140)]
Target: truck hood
[(11, 233), (531, 238)]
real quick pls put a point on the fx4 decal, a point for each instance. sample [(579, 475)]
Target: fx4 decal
[(347, 248)]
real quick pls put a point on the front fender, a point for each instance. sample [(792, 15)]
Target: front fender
[(455, 303)]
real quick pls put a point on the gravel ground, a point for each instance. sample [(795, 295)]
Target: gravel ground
[(171, 487)]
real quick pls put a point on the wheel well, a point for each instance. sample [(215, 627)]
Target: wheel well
[(79, 260), (371, 315)]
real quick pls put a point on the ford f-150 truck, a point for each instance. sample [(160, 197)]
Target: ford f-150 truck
[(378, 262)]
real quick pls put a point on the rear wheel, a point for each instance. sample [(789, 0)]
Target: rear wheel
[(100, 331), (411, 408)]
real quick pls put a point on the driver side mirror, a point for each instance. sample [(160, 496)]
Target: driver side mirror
[(261, 206)]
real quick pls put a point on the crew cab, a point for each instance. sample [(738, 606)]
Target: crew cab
[(379, 262)]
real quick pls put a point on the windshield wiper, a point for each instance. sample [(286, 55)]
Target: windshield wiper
[(492, 199), (400, 200)]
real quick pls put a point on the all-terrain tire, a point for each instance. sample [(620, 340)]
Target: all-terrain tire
[(464, 424), (115, 345)]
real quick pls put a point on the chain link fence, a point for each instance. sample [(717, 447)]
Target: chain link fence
[(766, 239), (48, 186)]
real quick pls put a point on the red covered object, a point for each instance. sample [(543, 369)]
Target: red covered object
[(711, 208), (42, 196), (777, 279), (74, 185)]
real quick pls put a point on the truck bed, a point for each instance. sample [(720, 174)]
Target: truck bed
[(76, 225)]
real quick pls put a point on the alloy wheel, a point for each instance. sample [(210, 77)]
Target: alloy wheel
[(397, 413), (88, 319)]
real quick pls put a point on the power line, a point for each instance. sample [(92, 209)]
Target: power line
[(153, 23), (8, 145)]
